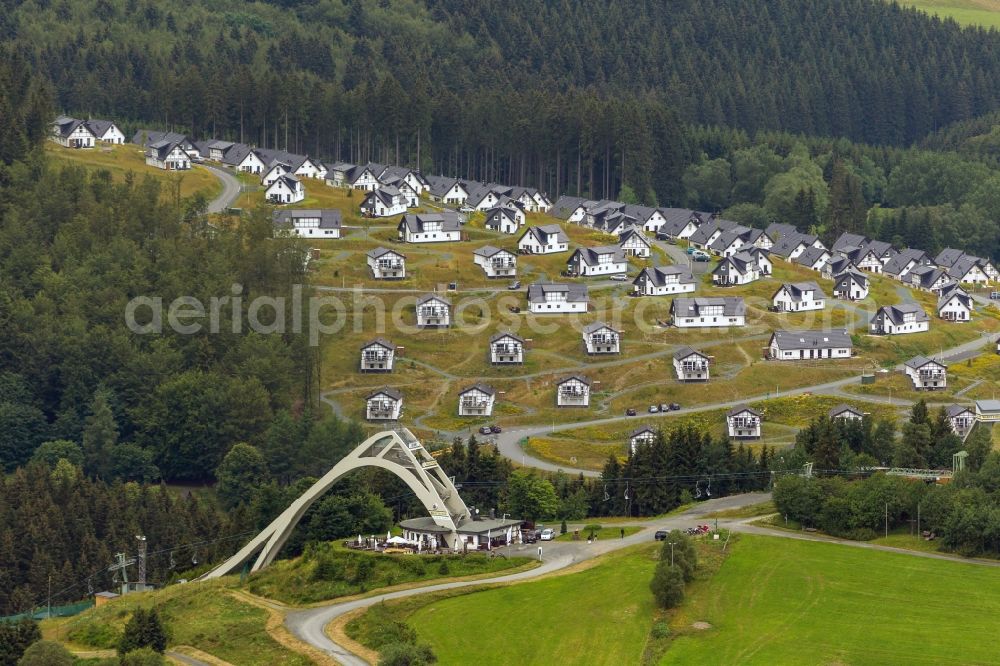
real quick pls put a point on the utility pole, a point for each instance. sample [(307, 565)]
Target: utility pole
[(671, 544)]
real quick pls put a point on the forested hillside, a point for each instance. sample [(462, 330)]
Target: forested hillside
[(571, 96)]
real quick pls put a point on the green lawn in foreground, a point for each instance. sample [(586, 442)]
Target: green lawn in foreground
[(598, 616), (779, 601)]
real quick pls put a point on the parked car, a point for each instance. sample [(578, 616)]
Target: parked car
[(630, 412), (466, 209), (664, 407), (618, 277), (530, 536), (496, 429), (702, 257), (514, 309), (653, 409), (485, 430), (995, 295), (674, 406), (690, 249), (548, 534), (661, 535), (516, 284)]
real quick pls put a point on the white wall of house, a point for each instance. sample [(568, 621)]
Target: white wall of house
[(382, 407), (806, 354), (556, 306), (176, 160), (641, 438), (572, 393), (784, 302), (530, 245), (693, 368), (606, 265), (376, 358), (506, 350), (882, 325), (251, 164), (433, 312), (954, 309), (929, 377), (501, 264), (602, 341), (389, 266), (112, 135), (475, 402), (743, 425), (280, 192)]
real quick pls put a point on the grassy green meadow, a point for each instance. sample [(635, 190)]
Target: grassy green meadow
[(985, 13)]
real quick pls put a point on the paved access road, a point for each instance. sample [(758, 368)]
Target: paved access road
[(308, 625), (230, 190), (508, 441)]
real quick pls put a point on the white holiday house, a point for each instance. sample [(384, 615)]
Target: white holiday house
[(72, 133), (634, 243), (899, 319), (590, 261), (377, 355), (308, 222), (642, 435), (476, 400), (599, 338), (717, 311), (954, 304), (962, 420), (506, 348), (386, 264), (430, 227), (573, 391), (384, 404), (546, 239), (386, 201), (433, 311), (555, 298), (851, 286), (926, 374), (285, 189), (846, 413), (663, 280), (446, 190), (106, 131), (743, 422), (798, 297), (504, 220), (743, 267), (690, 365), (495, 262), (805, 345), (168, 155)]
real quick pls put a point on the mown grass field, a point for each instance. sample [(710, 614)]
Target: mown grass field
[(779, 601), (599, 616), (985, 13), (122, 159)]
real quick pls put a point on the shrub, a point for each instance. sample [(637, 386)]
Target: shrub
[(15, 637), (144, 629), (46, 653), (667, 585), (562, 527), (661, 630), (406, 654), (142, 657), (443, 568)]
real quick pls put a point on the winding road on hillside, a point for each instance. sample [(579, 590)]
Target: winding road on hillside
[(508, 442), (309, 624), (230, 189)]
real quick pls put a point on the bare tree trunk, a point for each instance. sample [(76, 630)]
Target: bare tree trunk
[(579, 168)]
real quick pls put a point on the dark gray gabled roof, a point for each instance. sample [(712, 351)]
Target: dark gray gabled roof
[(503, 211), (641, 430), (565, 206), (839, 264), (842, 408), (739, 409), (732, 306), (575, 293), (927, 276), (329, 218), (99, 126), (380, 251), (954, 410), (580, 378), (742, 262), (488, 390), (393, 393), (897, 313), (963, 265), (918, 362), (542, 233), (836, 338), (658, 275), (383, 193), (153, 136), (433, 297), (490, 250), (810, 256), (841, 279), (948, 256), (788, 244), (796, 290), (898, 263), (597, 326), (162, 149), (380, 342), (952, 291), (685, 352), (506, 334), (777, 230), (848, 239), (415, 222), (590, 255)]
